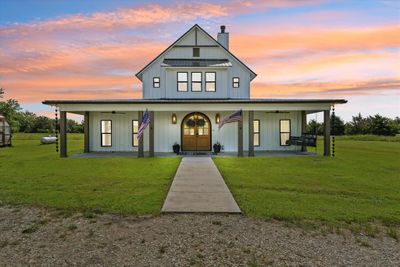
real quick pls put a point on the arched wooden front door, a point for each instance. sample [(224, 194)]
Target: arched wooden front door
[(196, 132)]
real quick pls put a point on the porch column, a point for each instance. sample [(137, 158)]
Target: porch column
[(140, 145), (327, 133), (151, 134), (63, 134), (240, 138), (86, 132), (251, 133), (303, 127)]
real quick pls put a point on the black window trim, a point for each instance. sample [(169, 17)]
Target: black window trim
[(205, 81), (178, 82), (154, 82), (101, 133), (133, 133), (258, 133), (233, 82), (280, 132), (201, 81)]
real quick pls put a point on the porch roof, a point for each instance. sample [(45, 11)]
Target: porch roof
[(198, 101)]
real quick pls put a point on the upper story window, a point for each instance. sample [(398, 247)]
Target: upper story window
[(284, 131), (196, 51), (156, 82), (210, 81), (182, 80), (196, 81), (106, 133), (235, 82)]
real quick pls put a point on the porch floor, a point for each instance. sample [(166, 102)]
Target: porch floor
[(271, 154)]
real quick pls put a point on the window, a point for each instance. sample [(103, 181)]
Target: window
[(256, 126), (196, 81), (210, 81), (156, 82), (235, 82), (196, 51), (135, 130), (182, 81), (106, 133), (284, 129)]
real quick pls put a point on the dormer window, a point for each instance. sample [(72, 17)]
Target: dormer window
[(235, 82), (182, 85), (156, 82), (196, 51)]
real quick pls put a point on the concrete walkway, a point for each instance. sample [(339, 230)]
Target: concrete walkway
[(199, 187)]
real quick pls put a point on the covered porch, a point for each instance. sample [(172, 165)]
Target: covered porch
[(259, 133)]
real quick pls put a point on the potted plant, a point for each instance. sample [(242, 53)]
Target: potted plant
[(217, 147), (176, 148)]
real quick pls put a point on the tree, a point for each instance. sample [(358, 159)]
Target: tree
[(1, 92), (358, 125), (44, 125), (27, 122), (379, 125), (314, 127), (337, 125), (74, 127), (10, 109)]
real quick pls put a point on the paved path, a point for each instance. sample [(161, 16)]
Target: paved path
[(199, 187)]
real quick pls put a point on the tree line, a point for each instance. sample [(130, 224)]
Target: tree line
[(376, 125), (28, 122)]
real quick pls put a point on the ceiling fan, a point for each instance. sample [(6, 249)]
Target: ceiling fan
[(113, 112)]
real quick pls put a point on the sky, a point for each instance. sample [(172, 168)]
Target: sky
[(299, 48)]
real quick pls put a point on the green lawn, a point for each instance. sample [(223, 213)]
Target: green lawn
[(361, 184), (34, 174)]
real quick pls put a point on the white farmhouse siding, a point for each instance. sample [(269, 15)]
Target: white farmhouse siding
[(183, 49)]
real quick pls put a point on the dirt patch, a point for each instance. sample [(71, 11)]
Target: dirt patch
[(31, 236)]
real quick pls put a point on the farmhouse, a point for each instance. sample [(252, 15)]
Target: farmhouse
[(188, 90)]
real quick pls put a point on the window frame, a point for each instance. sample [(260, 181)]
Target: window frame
[(233, 82), (214, 82), (135, 133), (154, 82), (280, 130), (258, 133), (197, 49), (197, 82), (103, 133), (178, 82)]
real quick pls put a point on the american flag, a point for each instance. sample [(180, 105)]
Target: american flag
[(237, 116), (143, 125)]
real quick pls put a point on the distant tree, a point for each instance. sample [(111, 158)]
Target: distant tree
[(10, 109), (314, 127), (379, 125), (27, 122), (337, 125), (358, 125), (44, 125), (1, 92), (74, 127)]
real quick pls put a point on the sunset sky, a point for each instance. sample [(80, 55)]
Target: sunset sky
[(299, 48)]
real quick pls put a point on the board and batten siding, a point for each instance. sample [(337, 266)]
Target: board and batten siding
[(168, 85), (121, 132), (166, 133)]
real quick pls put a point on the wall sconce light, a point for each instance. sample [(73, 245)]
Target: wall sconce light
[(217, 118), (173, 118)]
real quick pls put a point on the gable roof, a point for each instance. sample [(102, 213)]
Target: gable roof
[(139, 74)]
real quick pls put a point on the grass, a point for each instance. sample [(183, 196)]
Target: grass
[(33, 174), (360, 185)]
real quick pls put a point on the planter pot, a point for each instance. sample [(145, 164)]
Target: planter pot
[(176, 148), (217, 148)]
